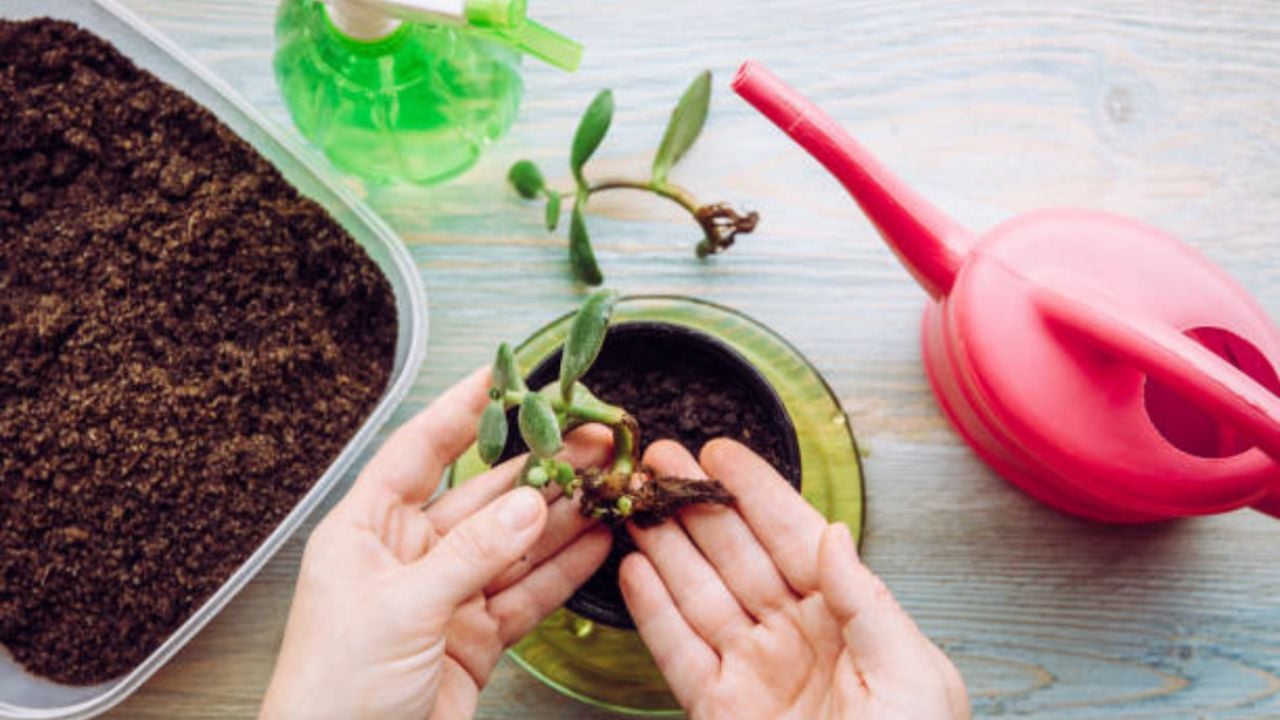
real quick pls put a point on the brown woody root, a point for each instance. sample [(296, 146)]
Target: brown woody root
[(653, 498)]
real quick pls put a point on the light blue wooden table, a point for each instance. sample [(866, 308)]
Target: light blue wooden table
[(1167, 111)]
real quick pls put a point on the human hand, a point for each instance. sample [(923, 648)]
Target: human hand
[(764, 611), (403, 613)]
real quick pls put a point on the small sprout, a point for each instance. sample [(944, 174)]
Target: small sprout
[(624, 490), (536, 476), (538, 426), (719, 223), (527, 179), (493, 432), (564, 474)]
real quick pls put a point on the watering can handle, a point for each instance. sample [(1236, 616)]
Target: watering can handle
[(1189, 368)]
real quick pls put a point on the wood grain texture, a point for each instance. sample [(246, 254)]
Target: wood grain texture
[(1167, 111)]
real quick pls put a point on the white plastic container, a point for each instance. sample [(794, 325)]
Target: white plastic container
[(26, 697)]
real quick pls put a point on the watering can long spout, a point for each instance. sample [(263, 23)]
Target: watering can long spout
[(928, 242)]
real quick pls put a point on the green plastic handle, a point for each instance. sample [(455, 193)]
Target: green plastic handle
[(509, 22), (547, 45)]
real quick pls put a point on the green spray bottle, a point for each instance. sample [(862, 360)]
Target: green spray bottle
[(407, 90)]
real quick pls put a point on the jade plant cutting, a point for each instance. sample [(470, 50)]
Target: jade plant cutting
[(720, 223), (622, 490)]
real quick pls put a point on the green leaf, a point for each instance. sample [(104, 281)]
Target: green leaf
[(685, 125), (586, 337), (527, 179), (553, 210), (591, 130), (493, 432), (506, 376), (538, 426), (582, 258)]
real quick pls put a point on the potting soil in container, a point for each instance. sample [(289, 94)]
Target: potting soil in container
[(185, 345)]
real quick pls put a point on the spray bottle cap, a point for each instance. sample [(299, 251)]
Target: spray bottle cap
[(504, 20)]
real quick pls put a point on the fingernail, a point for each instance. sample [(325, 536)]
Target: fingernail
[(519, 509)]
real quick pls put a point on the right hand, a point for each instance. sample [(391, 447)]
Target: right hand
[(764, 610)]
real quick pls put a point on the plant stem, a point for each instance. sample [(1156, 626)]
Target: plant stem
[(626, 442), (720, 223), (599, 413), (626, 431), (606, 415), (674, 193)]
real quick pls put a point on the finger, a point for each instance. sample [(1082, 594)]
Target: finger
[(476, 550), (412, 461), (457, 694), (564, 524), (685, 660), (586, 446), (788, 527), (871, 622), (712, 611), (724, 538), (470, 640), (523, 605)]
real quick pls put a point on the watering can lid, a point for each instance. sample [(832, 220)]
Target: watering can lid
[(1082, 332)]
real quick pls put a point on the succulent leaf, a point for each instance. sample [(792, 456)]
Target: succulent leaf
[(686, 122), (538, 426), (527, 179), (586, 337), (591, 131), (492, 437)]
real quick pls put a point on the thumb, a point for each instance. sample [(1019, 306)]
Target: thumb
[(479, 549), (871, 622)]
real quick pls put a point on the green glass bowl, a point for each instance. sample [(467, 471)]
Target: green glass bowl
[(609, 667)]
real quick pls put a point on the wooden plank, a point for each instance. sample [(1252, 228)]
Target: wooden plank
[(1167, 111)]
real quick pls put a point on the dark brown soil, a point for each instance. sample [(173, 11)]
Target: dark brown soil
[(185, 345), (685, 396), (679, 388)]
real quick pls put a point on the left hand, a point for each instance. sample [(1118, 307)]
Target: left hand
[(402, 612)]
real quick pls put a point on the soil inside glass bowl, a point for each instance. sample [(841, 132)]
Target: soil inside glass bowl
[(185, 345), (681, 385)]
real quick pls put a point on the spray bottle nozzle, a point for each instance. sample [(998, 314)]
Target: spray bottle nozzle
[(506, 21)]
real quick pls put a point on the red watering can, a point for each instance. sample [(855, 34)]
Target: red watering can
[(1100, 365)]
